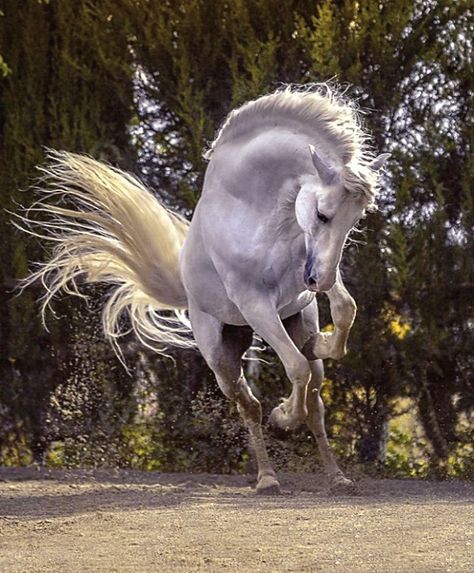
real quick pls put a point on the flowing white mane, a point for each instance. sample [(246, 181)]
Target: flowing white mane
[(326, 112)]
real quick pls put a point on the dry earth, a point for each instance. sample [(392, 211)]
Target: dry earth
[(111, 521)]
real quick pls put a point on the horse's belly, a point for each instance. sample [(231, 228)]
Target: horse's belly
[(228, 313)]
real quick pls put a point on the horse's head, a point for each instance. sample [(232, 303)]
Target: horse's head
[(327, 208)]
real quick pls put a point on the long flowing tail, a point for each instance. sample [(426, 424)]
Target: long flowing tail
[(108, 228)]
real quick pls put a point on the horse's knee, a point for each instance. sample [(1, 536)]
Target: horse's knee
[(299, 372), (350, 310), (315, 419), (237, 390), (228, 380), (314, 400)]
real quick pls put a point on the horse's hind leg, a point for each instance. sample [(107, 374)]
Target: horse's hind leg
[(301, 328), (222, 347)]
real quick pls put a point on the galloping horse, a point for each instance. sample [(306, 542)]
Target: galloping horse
[(289, 176)]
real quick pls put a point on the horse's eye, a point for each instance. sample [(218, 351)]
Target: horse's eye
[(322, 217)]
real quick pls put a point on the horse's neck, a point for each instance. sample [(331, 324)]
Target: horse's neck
[(264, 173), (283, 215)]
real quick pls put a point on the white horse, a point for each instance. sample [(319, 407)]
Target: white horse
[(289, 176)]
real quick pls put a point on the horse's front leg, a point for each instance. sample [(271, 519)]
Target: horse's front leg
[(263, 317), (343, 311), (302, 327)]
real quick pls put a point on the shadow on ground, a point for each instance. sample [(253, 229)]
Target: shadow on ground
[(29, 493)]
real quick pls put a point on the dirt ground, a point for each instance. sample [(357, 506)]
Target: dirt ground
[(117, 521)]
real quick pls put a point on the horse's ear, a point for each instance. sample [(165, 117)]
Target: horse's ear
[(326, 172), (379, 161)]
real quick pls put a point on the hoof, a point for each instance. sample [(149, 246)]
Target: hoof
[(268, 485), (340, 485), (280, 421)]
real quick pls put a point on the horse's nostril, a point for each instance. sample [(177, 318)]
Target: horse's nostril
[(312, 281)]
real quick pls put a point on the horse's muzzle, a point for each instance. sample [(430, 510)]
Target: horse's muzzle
[(311, 276), (312, 284), (312, 279)]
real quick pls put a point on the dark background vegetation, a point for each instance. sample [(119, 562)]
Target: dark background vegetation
[(144, 84)]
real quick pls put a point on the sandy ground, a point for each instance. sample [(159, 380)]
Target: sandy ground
[(110, 521)]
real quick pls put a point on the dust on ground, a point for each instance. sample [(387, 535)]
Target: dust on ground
[(124, 521)]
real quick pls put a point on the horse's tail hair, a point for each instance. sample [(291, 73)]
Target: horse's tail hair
[(108, 228)]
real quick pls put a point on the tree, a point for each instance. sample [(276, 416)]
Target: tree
[(62, 62)]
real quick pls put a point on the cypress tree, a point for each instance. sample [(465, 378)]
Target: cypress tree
[(69, 87)]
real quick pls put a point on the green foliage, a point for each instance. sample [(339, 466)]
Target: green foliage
[(402, 460), (460, 463), (139, 447)]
